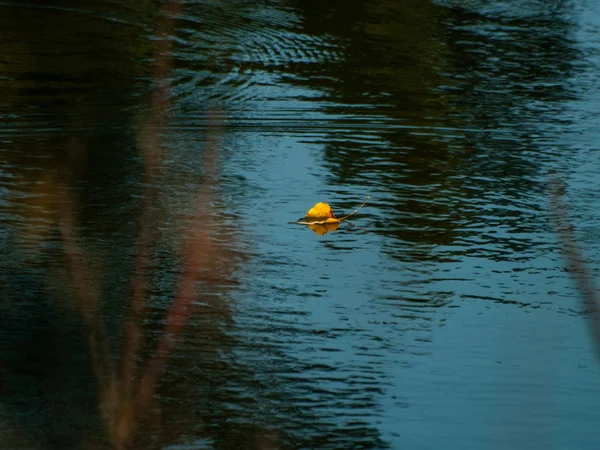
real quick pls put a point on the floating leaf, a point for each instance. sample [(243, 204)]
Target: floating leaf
[(321, 220), (321, 211)]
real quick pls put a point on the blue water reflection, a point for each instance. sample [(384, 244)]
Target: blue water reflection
[(442, 316)]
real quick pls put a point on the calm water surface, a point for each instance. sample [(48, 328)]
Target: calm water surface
[(442, 317)]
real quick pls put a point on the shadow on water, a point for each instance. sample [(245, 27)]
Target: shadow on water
[(92, 164), (153, 153), (433, 151)]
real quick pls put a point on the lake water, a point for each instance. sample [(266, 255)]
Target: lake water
[(154, 154)]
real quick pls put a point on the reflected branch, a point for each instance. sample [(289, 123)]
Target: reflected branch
[(151, 145), (86, 296), (575, 261), (127, 395), (117, 405), (198, 248)]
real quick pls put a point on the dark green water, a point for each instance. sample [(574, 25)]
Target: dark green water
[(443, 318)]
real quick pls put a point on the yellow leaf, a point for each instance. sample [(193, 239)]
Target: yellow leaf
[(321, 211), (321, 220)]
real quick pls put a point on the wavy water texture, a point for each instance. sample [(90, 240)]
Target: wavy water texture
[(440, 315)]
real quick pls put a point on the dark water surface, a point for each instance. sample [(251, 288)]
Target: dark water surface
[(442, 317)]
